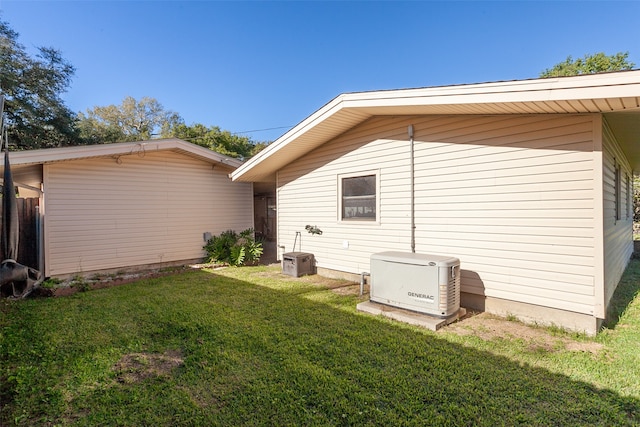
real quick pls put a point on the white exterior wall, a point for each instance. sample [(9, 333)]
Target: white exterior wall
[(511, 196), (618, 232), (104, 214)]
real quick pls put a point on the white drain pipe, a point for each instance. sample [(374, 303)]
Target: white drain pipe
[(362, 276), (413, 209)]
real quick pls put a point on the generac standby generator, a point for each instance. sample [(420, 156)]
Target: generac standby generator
[(424, 283)]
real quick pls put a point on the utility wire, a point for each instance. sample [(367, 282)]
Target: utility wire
[(262, 130)]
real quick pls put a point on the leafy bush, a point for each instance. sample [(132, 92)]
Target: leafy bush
[(50, 283), (218, 248), (233, 248), (80, 282)]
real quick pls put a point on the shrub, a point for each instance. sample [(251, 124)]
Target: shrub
[(218, 248), (50, 283), (80, 282), (233, 248)]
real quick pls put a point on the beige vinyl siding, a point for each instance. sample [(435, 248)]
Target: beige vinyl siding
[(511, 196), (618, 233), (106, 213)]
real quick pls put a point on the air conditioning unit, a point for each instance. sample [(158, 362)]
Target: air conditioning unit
[(423, 283), (298, 264)]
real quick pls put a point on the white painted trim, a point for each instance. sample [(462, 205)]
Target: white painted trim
[(356, 222), (46, 238), (599, 308), (118, 150), (278, 233)]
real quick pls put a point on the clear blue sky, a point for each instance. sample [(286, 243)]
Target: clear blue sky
[(256, 65)]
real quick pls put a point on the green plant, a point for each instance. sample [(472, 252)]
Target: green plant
[(50, 283), (218, 248), (233, 248), (512, 317), (251, 248), (80, 282)]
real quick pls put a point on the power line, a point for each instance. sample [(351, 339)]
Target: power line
[(262, 130)]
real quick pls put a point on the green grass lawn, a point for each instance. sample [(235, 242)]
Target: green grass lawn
[(248, 346)]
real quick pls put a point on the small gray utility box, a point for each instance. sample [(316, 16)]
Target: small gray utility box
[(424, 283), (298, 264)]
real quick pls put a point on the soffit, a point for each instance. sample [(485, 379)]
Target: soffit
[(625, 125), (612, 94)]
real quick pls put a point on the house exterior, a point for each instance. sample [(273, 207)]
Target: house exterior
[(528, 183), (128, 205)]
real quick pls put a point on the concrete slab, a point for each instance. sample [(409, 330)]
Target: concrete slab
[(408, 316)]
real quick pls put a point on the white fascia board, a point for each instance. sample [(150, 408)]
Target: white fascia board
[(51, 155), (326, 111), (520, 92), (570, 88), (517, 86)]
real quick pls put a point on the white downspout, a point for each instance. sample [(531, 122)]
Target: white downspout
[(363, 281), (413, 210)]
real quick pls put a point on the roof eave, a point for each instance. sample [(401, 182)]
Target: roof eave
[(578, 94), (52, 155)]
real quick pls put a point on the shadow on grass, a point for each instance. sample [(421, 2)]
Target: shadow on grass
[(257, 355), (625, 293)]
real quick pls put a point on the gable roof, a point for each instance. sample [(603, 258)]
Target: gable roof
[(119, 149), (617, 95)]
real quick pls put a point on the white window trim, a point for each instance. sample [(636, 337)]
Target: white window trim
[(340, 177)]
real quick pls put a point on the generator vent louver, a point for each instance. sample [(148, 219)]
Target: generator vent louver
[(453, 289), (424, 283)]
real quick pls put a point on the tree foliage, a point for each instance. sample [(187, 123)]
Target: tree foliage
[(35, 114), (130, 121), (221, 141), (145, 119), (590, 64)]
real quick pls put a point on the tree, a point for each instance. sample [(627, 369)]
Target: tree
[(590, 64), (221, 141), (130, 121), (142, 120), (36, 116)]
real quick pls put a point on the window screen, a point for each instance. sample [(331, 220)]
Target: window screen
[(359, 198)]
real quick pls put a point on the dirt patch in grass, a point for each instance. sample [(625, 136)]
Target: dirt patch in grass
[(343, 287), (136, 367), (339, 286), (79, 283), (489, 327), (348, 289)]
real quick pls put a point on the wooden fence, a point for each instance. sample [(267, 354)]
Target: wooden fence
[(28, 246)]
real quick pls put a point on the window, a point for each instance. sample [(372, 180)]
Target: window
[(358, 198)]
